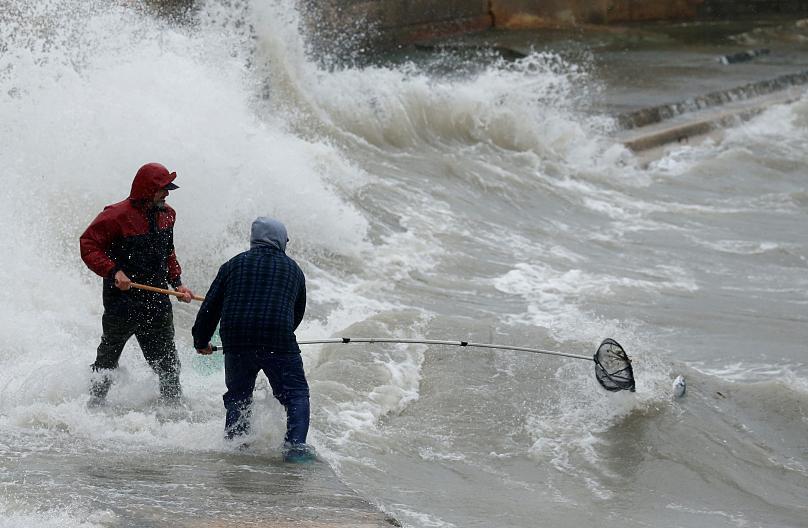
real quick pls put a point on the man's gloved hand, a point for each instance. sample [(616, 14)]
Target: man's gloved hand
[(186, 292), (122, 281)]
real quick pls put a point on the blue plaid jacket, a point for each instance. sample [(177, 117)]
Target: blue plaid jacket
[(260, 297)]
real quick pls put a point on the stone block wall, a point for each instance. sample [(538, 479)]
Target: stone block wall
[(553, 13), (405, 21)]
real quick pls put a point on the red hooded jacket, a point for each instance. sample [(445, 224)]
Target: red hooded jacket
[(135, 236)]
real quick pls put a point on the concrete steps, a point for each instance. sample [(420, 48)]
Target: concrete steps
[(693, 120)]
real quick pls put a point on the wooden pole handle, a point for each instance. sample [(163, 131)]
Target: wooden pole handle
[(163, 291)]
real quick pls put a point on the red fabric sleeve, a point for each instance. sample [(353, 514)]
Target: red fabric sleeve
[(174, 270), (95, 241)]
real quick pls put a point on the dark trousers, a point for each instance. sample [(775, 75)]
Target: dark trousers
[(155, 335), (289, 386)]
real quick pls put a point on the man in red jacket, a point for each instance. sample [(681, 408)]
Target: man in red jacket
[(133, 241)]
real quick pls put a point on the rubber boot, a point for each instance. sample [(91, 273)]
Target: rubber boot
[(298, 453), (99, 387), (238, 419), (170, 389)]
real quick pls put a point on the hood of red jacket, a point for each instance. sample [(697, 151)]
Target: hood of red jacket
[(149, 179)]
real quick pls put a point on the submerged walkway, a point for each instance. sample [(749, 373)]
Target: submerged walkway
[(120, 485), (281, 495)]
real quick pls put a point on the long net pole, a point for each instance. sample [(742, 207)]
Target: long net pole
[(612, 365), (347, 340)]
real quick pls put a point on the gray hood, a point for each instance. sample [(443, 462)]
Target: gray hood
[(268, 232)]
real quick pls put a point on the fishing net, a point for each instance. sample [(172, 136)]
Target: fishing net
[(613, 367)]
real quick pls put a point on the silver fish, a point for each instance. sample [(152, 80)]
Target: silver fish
[(679, 386)]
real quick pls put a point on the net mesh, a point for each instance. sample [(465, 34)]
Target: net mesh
[(613, 367)]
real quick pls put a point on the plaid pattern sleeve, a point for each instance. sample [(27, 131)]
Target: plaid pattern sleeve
[(209, 312)]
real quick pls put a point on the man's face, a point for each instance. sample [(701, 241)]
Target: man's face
[(159, 199)]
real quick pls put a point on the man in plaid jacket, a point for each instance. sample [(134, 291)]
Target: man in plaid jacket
[(259, 298)]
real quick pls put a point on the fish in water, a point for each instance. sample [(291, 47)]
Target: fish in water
[(679, 386)]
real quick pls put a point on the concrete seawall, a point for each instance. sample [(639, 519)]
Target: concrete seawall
[(407, 21), (392, 22), (518, 14)]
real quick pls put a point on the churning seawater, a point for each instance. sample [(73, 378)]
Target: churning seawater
[(481, 206)]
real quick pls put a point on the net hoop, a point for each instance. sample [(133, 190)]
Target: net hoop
[(613, 367)]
